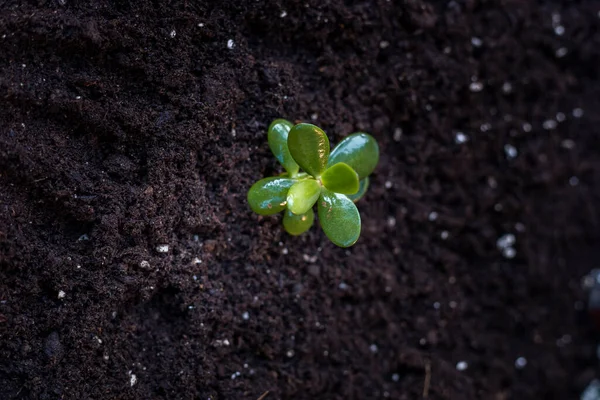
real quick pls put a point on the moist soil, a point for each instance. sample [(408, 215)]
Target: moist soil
[(130, 125)]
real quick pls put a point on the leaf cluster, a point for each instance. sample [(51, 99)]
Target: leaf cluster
[(334, 180)]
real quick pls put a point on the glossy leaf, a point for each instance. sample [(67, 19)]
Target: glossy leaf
[(340, 178), (364, 185), (278, 136), (360, 151), (268, 196), (303, 195), (339, 218), (309, 147), (298, 224)]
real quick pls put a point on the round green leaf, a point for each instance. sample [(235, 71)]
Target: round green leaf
[(303, 195), (298, 224), (360, 151), (309, 146), (278, 136), (268, 196), (339, 218), (364, 185), (340, 178)]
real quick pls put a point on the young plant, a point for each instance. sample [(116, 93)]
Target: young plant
[(334, 181)]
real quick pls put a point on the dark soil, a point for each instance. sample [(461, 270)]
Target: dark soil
[(131, 124)]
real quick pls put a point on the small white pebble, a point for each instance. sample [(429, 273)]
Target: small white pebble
[(561, 52), (506, 87), (388, 184), (549, 124), (397, 134), (314, 116), (444, 235), (132, 379), (520, 363), (520, 227), (560, 116), (568, 144), (284, 251), (453, 304), (290, 353), (61, 294), (173, 34), (475, 41), (509, 252), (485, 127), (433, 216), (395, 377), (462, 365), (200, 25), (384, 44), (343, 286), (510, 150), (559, 30), (77, 97), (422, 341), (505, 241), (162, 248), (283, 14), (197, 261), (555, 18), (436, 305), (230, 44), (577, 112), (460, 138), (391, 221), (573, 181), (246, 316), (526, 127), (373, 348), (476, 87), (492, 182)]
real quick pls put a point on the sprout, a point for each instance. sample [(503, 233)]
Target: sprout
[(334, 180)]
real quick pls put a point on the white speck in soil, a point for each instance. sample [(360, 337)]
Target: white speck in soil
[(444, 235), (284, 251), (475, 41), (373, 347), (567, 144), (162, 248), (61, 294), (290, 353), (573, 181), (509, 252), (504, 241), (520, 227), (561, 52), (560, 116), (283, 14), (200, 25), (485, 127), (433, 216), (549, 124), (173, 33), (453, 304), (384, 44), (520, 363), (577, 112), (397, 134), (422, 341), (527, 127), (476, 87), (132, 379), (230, 44), (559, 30), (246, 316), (395, 377), (510, 150), (343, 286), (436, 305), (391, 221), (197, 261), (460, 138), (388, 184), (462, 365), (506, 87), (314, 116), (492, 182)]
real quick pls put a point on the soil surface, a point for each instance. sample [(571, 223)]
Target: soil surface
[(130, 125)]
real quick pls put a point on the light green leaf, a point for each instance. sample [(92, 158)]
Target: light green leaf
[(298, 224), (268, 196), (340, 178), (278, 136), (309, 146), (364, 185), (339, 218), (360, 151), (303, 195)]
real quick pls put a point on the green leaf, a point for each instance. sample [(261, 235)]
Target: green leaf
[(364, 185), (340, 178), (303, 195), (339, 218), (298, 224), (309, 146), (268, 196), (278, 136), (360, 151)]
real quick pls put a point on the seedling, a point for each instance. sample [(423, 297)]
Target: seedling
[(334, 181)]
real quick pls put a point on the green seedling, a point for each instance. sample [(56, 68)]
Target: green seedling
[(333, 180)]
